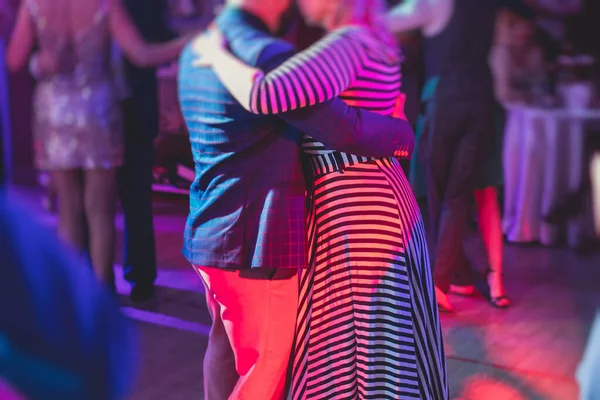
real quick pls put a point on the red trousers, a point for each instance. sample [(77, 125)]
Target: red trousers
[(250, 342)]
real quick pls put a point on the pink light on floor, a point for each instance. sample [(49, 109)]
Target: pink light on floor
[(480, 387)]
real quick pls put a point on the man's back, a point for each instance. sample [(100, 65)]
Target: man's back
[(247, 201)]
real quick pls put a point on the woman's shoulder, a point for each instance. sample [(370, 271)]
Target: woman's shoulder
[(378, 45)]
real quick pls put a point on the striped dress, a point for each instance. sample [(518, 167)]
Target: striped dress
[(368, 325)]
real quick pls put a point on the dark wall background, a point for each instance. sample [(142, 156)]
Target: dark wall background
[(20, 88)]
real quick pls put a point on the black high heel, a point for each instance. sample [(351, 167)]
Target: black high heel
[(496, 301)]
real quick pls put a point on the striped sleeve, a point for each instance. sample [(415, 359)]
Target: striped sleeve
[(316, 75)]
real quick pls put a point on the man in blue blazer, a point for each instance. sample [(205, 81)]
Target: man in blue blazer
[(245, 231)]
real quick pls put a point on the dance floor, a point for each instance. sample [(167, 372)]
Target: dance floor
[(529, 351)]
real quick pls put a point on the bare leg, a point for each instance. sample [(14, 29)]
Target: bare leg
[(68, 185), (100, 209), (490, 226)]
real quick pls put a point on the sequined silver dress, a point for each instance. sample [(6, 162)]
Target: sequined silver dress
[(77, 115)]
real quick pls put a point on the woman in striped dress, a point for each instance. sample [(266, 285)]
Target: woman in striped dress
[(368, 324)]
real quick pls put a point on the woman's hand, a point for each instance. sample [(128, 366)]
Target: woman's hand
[(405, 152), (399, 107), (207, 46)]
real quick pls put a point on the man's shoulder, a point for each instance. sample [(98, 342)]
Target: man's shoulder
[(271, 52), (261, 49), (254, 46)]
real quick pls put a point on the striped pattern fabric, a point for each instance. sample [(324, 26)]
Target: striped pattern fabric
[(348, 63), (320, 73), (368, 325)]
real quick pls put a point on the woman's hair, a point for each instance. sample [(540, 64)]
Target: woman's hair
[(370, 13)]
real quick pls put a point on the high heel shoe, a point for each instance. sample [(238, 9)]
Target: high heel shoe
[(500, 301), (443, 302)]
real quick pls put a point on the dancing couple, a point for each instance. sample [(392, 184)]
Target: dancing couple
[(310, 246)]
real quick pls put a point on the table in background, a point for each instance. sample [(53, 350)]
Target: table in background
[(543, 151)]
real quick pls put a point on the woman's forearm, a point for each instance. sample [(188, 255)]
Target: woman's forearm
[(303, 80), (238, 77), (21, 41), (409, 15), (134, 46)]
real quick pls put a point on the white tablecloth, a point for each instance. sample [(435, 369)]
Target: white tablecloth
[(543, 149)]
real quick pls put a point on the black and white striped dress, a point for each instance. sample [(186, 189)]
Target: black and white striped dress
[(368, 325)]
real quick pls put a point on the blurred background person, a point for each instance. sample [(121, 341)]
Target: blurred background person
[(457, 131), (138, 92), (62, 337), (552, 18), (7, 16), (78, 121), (589, 369), (141, 116), (517, 60), (579, 65)]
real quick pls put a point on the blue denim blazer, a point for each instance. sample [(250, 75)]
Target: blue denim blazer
[(247, 201)]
